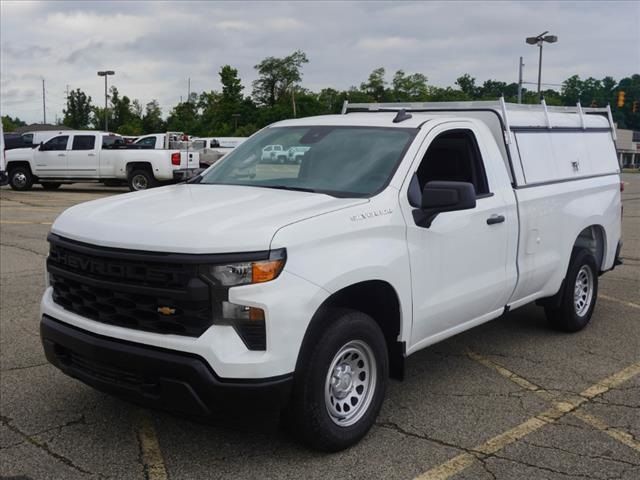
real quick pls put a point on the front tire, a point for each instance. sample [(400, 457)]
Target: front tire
[(580, 293), (341, 382), (20, 178), (141, 180)]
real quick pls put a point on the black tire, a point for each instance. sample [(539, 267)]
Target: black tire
[(575, 308), (141, 180), (20, 178), (309, 417), (50, 185)]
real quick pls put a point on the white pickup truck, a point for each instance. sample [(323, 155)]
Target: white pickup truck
[(89, 156), (301, 288)]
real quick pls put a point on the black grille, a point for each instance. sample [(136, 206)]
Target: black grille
[(107, 286)]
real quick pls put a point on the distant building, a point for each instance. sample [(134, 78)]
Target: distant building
[(628, 148), (39, 127)]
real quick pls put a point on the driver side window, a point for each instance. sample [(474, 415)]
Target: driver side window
[(454, 156), (57, 143)]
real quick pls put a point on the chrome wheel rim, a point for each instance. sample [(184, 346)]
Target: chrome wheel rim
[(19, 179), (139, 182), (583, 291), (350, 383)]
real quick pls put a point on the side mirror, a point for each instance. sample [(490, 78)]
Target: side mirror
[(41, 147), (442, 196)]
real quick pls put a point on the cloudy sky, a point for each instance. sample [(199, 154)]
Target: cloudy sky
[(155, 46)]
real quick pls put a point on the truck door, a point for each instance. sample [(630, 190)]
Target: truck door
[(82, 159), (51, 157), (462, 267)]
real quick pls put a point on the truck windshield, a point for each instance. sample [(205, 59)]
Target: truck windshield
[(336, 160)]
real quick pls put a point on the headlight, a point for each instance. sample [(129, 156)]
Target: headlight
[(249, 272)]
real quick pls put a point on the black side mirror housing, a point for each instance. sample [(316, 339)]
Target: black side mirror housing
[(41, 147), (443, 196)]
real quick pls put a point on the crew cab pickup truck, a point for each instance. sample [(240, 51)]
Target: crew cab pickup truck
[(89, 156), (301, 288)]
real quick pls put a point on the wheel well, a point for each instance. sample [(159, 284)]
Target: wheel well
[(593, 238), (138, 166), (15, 164), (379, 300)]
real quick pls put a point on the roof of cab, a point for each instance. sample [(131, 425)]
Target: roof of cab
[(366, 119)]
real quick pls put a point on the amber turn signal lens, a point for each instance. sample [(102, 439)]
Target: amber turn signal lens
[(256, 314), (266, 271)]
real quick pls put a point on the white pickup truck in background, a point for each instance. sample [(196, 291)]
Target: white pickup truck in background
[(212, 149), (303, 288), (171, 141), (89, 156)]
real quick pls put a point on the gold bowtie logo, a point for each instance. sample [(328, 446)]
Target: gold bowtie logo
[(166, 310)]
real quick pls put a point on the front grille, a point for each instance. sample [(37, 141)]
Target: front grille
[(126, 289)]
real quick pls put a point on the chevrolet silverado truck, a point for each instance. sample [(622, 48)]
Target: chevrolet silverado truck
[(89, 156), (300, 290)]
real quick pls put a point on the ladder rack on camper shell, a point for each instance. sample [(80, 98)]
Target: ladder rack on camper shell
[(500, 107)]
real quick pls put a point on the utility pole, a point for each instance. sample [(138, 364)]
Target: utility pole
[(105, 74), (44, 108), (293, 100), (520, 81), (189, 90)]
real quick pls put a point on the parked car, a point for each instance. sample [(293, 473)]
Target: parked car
[(273, 154), (3, 174), (212, 149), (249, 295), (170, 141), (295, 154), (89, 156)]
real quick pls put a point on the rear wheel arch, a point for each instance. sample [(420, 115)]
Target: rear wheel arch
[(132, 166), (376, 298), (594, 239)]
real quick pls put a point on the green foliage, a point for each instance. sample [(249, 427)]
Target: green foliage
[(276, 76), (231, 113), (10, 124), (77, 115)]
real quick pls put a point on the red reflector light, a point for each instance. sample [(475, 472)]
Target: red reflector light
[(175, 158)]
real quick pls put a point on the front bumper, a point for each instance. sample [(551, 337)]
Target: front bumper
[(157, 377)]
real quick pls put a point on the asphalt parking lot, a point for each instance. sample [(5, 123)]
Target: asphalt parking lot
[(510, 399)]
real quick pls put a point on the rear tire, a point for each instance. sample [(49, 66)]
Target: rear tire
[(20, 178), (141, 180), (580, 294), (340, 383), (51, 185)]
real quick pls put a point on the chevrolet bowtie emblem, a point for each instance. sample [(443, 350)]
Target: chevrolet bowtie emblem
[(166, 310)]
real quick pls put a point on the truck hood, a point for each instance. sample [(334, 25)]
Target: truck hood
[(19, 154), (194, 218)]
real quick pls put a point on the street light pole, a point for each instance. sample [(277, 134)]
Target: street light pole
[(105, 74), (539, 40)]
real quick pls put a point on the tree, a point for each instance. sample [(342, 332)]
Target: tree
[(409, 88), (277, 76), (231, 85), (152, 121), (375, 85), (78, 112), (10, 124), (468, 86)]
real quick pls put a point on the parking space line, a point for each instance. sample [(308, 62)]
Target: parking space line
[(617, 300), (615, 433), (22, 222), (558, 410), (152, 460)]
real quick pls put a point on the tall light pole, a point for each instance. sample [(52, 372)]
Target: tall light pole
[(105, 74), (539, 40)]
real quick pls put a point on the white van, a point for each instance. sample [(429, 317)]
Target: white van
[(256, 289)]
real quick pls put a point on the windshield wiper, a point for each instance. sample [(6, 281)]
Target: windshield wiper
[(287, 187)]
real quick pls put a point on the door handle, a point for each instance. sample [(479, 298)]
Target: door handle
[(92, 154), (61, 155), (493, 219)]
